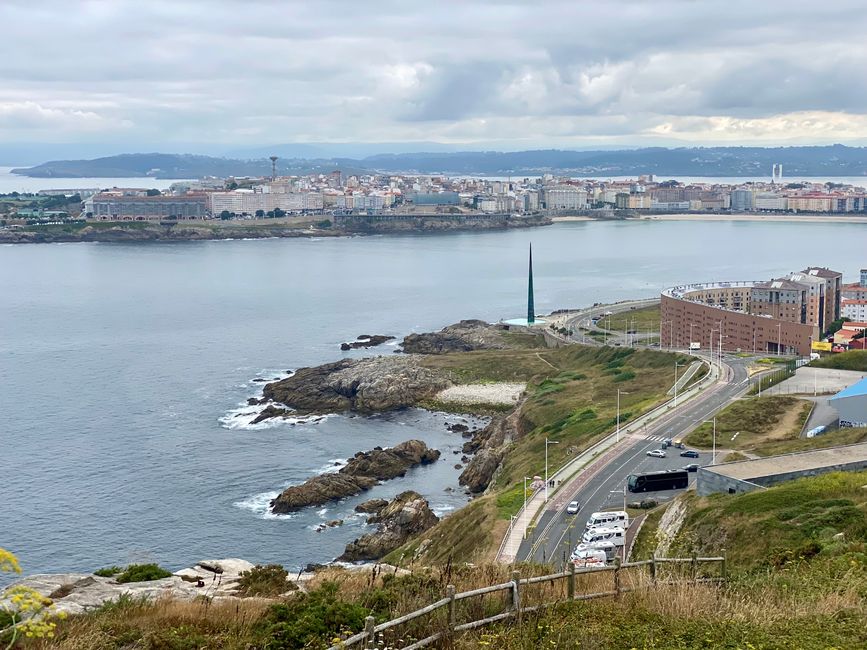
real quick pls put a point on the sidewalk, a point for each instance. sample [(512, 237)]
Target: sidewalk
[(584, 466)]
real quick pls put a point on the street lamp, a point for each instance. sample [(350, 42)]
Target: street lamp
[(617, 438), (548, 442), (691, 325), (779, 337), (713, 457)]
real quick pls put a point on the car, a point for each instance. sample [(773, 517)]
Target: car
[(573, 508), (689, 453), (692, 467), (656, 453)]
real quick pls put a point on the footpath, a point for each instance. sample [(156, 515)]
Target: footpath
[(571, 476)]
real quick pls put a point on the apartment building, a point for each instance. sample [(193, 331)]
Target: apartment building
[(140, 207)]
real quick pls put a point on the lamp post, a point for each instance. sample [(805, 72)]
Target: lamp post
[(779, 338), (524, 511), (691, 325), (548, 442), (710, 344), (617, 438), (676, 365), (713, 456)]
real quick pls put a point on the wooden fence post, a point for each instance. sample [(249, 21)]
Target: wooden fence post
[(653, 568), (570, 585), (694, 564), (722, 569), (516, 593), (450, 594), (617, 577), (369, 624)]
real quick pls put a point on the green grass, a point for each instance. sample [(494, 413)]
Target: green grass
[(755, 420), (734, 456), (852, 360), (142, 573), (108, 572), (763, 528), (637, 319), (832, 439), (645, 544)]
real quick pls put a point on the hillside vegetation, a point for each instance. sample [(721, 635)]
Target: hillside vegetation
[(797, 579), (852, 360)]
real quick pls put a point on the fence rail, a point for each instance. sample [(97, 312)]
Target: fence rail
[(515, 608)]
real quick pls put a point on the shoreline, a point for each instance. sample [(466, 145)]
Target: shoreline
[(141, 231), (782, 218)]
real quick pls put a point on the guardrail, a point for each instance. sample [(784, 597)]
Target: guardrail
[(514, 607)]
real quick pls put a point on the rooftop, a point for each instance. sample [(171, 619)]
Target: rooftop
[(747, 470), (857, 389)]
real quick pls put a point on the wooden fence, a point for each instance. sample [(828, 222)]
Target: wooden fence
[(514, 606)]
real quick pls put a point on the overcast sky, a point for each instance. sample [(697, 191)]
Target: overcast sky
[(508, 75)]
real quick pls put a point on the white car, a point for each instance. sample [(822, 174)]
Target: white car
[(573, 508), (656, 453)]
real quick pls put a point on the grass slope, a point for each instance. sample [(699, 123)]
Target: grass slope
[(852, 360)]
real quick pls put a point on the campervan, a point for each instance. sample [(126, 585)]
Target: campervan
[(589, 558), (608, 548), (616, 517), (616, 536)]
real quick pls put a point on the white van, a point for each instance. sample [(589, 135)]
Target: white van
[(616, 536), (618, 517), (589, 558), (608, 548)]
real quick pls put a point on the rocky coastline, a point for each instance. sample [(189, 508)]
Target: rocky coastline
[(365, 470), (140, 231)]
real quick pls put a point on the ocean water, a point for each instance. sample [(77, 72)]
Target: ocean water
[(125, 368)]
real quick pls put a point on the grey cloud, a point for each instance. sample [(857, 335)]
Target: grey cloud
[(547, 72)]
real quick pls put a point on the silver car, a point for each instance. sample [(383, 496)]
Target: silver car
[(573, 508)]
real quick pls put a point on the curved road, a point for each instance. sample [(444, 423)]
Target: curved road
[(557, 533)]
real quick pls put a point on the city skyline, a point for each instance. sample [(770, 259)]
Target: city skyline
[(467, 76)]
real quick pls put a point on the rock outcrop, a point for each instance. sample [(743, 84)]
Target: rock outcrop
[(362, 472), (465, 336), (406, 516), (489, 447), (365, 385), (371, 506), (366, 341)]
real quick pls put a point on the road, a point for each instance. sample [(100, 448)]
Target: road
[(580, 321), (557, 533)]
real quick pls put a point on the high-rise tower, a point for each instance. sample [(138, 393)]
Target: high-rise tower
[(531, 308)]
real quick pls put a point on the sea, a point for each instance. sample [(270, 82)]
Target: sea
[(125, 369)]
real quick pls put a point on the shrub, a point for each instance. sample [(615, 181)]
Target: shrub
[(310, 617), (142, 573), (626, 375), (108, 571), (269, 580)]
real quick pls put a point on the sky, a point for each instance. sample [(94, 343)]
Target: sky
[(466, 74)]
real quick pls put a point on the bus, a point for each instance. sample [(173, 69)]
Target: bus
[(672, 479)]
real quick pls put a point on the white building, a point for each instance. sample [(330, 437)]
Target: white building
[(565, 197), (769, 201), (854, 309)]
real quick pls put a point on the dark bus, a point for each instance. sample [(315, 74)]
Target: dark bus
[(672, 479)]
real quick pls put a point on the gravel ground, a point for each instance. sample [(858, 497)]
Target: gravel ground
[(502, 393)]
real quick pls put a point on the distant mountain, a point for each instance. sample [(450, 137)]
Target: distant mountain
[(163, 165), (834, 160)]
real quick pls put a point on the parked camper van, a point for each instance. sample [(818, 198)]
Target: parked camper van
[(616, 536), (616, 517), (608, 548), (589, 558)]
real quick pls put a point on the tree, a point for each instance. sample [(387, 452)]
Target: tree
[(225, 215), (260, 214), (279, 213), (232, 186), (154, 193)]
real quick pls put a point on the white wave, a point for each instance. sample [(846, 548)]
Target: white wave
[(243, 416), (261, 505), (441, 509), (394, 343), (321, 512), (334, 465)]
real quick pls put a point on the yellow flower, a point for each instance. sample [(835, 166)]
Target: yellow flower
[(8, 562)]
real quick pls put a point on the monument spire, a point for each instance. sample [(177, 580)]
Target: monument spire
[(531, 308)]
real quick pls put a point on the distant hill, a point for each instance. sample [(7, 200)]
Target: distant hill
[(834, 160), (163, 165)]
